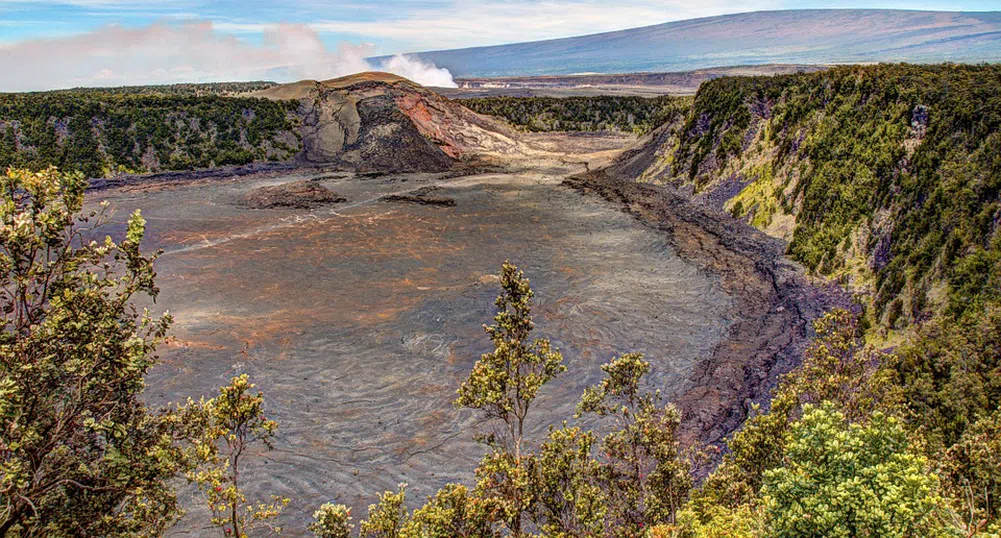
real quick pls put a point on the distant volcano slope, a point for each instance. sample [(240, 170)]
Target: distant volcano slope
[(381, 122), (792, 36)]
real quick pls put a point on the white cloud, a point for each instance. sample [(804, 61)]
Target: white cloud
[(413, 25), (95, 4), (189, 52), (468, 23), (211, 51)]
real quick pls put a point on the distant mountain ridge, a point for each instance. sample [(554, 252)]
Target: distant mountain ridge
[(819, 36)]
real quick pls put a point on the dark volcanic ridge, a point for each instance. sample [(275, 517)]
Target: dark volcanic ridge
[(370, 124), (813, 36), (421, 196), (777, 301), (304, 194)]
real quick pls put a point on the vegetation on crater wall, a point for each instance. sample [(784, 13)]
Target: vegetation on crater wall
[(891, 172), (102, 133), (637, 115), (891, 176)]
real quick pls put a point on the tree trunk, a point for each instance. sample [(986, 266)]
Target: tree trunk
[(5, 527)]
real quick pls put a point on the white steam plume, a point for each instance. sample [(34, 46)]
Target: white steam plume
[(418, 70), (190, 52)]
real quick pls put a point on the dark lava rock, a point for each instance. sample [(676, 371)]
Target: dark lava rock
[(421, 196), (297, 194)]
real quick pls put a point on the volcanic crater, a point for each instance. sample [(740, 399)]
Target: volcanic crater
[(356, 300)]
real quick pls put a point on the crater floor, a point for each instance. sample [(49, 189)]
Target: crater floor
[(359, 320)]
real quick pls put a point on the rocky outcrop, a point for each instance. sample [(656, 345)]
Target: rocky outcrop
[(421, 196), (303, 194), (381, 122)]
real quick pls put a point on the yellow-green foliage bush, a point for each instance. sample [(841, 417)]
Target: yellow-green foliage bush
[(842, 480)]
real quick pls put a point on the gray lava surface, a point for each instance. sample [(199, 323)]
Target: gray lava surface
[(360, 320)]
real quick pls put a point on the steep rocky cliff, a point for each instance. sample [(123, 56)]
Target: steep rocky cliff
[(886, 177), (378, 121)]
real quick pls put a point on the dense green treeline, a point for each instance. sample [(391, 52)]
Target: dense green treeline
[(197, 89), (890, 173), (101, 133), (600, 113)]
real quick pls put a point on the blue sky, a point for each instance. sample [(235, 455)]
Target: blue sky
[(46, 44), (400, 25)]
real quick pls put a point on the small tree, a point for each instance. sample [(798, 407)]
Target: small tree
[(503, 384), (235, 421), (647, 475), (850, 480), (332, 521), (80, 454), (506, 483), (565, 483), (452, 513), (387, 517), (839, 367)]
